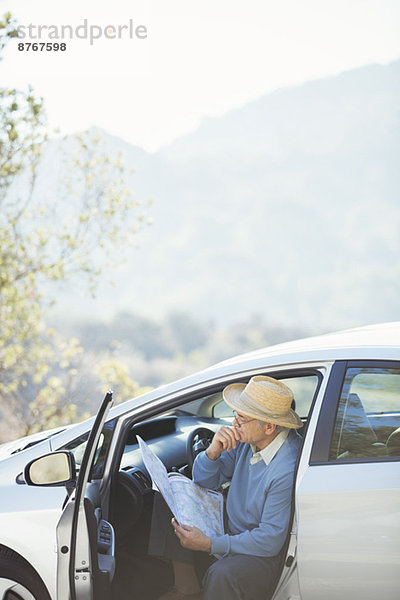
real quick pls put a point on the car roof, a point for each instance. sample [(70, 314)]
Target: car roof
[(349, 342)]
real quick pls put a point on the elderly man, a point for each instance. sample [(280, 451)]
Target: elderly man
[(258, 456)]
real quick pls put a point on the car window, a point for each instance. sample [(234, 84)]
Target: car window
[(302, 386), (78, 446), (367, 422)]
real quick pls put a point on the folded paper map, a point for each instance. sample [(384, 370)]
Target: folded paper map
[(190, 503)]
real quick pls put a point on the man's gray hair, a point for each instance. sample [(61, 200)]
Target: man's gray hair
[(279, 428)]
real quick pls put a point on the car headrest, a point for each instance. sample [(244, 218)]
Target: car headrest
[(356, 434)]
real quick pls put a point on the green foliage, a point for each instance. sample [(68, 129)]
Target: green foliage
[(47, 401), (68, 230), (22, 133), (113, 373), (8, 30)]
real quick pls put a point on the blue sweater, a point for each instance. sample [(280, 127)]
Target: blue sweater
[(259, 497)]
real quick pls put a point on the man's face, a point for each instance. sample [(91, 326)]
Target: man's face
[(251, 431)]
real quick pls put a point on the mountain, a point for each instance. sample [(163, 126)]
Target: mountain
[(286, 207)]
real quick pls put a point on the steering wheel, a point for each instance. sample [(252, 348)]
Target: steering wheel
[(198, 440)]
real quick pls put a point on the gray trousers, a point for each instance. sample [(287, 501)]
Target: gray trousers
[(234, 577)]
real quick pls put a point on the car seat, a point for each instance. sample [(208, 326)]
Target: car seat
[(356, 437)]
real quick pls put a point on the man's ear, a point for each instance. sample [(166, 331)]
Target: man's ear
[(270, 428)]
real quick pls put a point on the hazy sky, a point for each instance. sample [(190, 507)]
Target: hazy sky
[(200, 58)]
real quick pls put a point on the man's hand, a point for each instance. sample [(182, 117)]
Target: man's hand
[(191, 538), (225, 439)]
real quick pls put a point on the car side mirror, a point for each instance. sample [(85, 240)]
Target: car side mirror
[(57, 468)]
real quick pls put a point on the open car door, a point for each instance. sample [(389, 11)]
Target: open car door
[(85, 541)]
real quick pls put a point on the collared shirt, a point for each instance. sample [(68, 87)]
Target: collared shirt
[(268, 453), (259, 498)]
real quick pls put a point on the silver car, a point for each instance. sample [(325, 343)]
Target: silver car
[(76, 503)]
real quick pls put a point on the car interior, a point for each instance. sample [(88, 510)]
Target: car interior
[(176, 437)]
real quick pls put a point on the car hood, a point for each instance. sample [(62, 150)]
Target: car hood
[(15, 446)]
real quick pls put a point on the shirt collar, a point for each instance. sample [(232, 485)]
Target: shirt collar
[(268, 453)]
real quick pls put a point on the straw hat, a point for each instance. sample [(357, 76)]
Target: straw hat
[(263, 398)]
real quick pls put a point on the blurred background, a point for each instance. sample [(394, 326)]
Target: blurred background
[(226, 181)]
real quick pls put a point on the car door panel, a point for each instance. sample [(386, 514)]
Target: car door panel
[(348, 496), (101, 544), (85, 541), (349, 532)]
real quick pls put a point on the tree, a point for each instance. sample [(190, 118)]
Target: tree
[(37, 246), (113, 373)]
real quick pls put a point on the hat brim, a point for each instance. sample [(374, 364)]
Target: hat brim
[(236, 399)]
